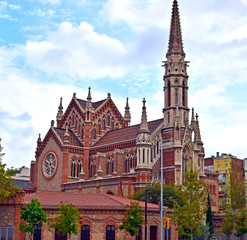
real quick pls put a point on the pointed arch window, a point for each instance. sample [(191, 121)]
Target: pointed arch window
[(127, 163), (169, 93), (154, 152), (157, 146), (103, 124), (183, 94), (132, 163), (99, 128), (168, 117), (78, 168), (108, 170), (92, 169), (139, 155), (73, 168), (94, 133), (176, 96), (73, 120), (143, 155), (108, 120), (112, 124), (184, 118)]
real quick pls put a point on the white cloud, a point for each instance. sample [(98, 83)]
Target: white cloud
[(77, 51), (139, 15), (14, 7)]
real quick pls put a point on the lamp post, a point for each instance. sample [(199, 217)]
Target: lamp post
[(161, 190)]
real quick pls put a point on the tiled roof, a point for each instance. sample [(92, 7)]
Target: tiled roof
[(53, 199), (95, 105), (125, 134), (74, 141), (23, 184)]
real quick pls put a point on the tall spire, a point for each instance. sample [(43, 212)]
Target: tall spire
[(60, 110), (175, 40), (144, 122), (89, 98), (192, 115), (127, 115)]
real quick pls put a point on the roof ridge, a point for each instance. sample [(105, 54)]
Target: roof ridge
[(118, 201)]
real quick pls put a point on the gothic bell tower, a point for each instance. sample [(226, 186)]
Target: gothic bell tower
[(179, 147), (175, 78)]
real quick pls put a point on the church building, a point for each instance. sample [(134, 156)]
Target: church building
[(92, 148)]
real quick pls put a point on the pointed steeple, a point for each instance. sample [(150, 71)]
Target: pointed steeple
[(175, 40), (127, 115), (89, 98), (144, 123), (192, 115), (60, 110)]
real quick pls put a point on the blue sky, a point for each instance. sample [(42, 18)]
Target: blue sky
[(53, 48)]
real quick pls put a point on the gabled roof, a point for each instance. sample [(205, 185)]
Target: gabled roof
[(125, 134), (94, 200), (73, 139), (95, 105)]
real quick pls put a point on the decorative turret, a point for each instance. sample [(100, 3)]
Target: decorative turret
[(143, 142), (127, 115), (89, 106), (66, 135), (89, 99), (144, 122), (192, 116), (38, 144), (60, 111)]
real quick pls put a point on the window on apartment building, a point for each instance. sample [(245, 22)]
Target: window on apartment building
[(85, 232), (6, 233), (226, 163), (218, 164)]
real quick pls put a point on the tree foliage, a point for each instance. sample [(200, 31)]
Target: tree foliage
[(210, 217), (153, 195), (32, 215), (7, 188), (190, 216), (67, 221), (235, 205), (134, 219)]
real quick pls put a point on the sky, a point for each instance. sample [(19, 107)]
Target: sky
[(54, 48)]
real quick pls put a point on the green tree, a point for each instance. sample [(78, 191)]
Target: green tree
[(210, 217), (241, 224), (134, 219), (228, 224), (153, 195), (67, 222), (235, 205), (32, 215), (190, 216), (7, 188)]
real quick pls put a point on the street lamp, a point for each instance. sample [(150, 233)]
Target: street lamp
[(161, 190)]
